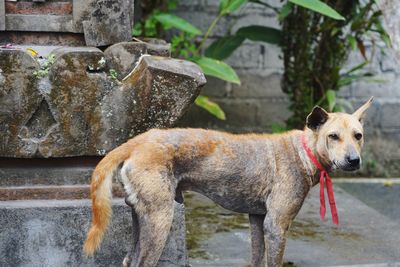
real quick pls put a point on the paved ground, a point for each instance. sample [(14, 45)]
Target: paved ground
[(382, 197), (364, 237)]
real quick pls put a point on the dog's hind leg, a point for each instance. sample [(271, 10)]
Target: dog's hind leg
[(154, 193), (134, 249), (257, 239), (154, 226)]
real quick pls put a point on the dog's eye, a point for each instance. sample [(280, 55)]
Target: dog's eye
[(358, 136), (334, 136)]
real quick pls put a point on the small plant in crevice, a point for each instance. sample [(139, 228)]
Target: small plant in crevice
[(113, 74), (45, 65)]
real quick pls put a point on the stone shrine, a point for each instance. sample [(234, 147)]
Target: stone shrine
[(73, 86)]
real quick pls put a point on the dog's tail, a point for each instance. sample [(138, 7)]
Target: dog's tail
[(101, 193)]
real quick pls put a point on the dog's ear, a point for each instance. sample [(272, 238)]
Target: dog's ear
[(361, 111), (316, 118)]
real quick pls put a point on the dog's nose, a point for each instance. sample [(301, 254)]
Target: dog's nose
[(354, 161)]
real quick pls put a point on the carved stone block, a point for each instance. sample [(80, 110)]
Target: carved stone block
[(79, 108)]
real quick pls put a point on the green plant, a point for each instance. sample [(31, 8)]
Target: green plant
[(188, 43), (45, 66), (316, 50), (113, 74), (315, 41)]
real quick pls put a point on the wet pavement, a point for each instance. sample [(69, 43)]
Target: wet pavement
[(364, 237), (384, 197)]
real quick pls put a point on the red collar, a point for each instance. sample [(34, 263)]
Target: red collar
[(324, 177)]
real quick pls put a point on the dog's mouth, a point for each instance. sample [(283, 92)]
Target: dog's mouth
[(345, 167), (350, 168)]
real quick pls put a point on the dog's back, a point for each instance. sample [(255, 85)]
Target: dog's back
[(236, 171)]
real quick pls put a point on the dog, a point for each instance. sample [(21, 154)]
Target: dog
[(267, 176)]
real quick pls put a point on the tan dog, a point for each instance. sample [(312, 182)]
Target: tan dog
[(266, 176)]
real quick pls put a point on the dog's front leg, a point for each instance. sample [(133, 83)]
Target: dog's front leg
[(275, 239), (281, 211), (257, 239)]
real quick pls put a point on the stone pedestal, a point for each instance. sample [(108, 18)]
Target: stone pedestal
[(62, 114), (77, 106), (73, 87), (42, 233)]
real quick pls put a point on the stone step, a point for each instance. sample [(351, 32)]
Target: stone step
[(44, 233), (51, 192), (55, 171)]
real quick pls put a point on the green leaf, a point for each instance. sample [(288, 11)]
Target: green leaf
[(150, 27), (137, 29), (278, 127), (285, 10), (261, 33), (357, 67), (217, 69), (171, 21), (349, 78), (210, 106), (224, 47), (229, 6), (320, 7), (172, 5), (331, 99), (352, 41)]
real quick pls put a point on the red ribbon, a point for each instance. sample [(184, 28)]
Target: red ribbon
[(323, 179)]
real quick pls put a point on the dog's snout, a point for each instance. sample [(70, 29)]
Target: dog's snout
[(353, 160)]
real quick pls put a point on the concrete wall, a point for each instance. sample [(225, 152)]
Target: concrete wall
[(259, 101)]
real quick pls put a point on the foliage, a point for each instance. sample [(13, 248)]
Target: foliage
[(113, 74), (184, 44), (319, 7), (316, 50), (213, 108), (315, 39), (217, 69)]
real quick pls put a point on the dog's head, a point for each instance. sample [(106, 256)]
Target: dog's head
[(339, 136)]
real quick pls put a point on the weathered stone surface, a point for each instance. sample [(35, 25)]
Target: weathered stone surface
[(31, 8), (41, 23), (122, 56), (391, 11), (42, 38), (109, 22), (258, 86), (51, 233), (389, 115), (216, 88), (79, 109), (271, 112), (246, 56), (158, 47), (102, 22), (82, 11), (2, 16), (20, 176), (19, 98), (162, 84)]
